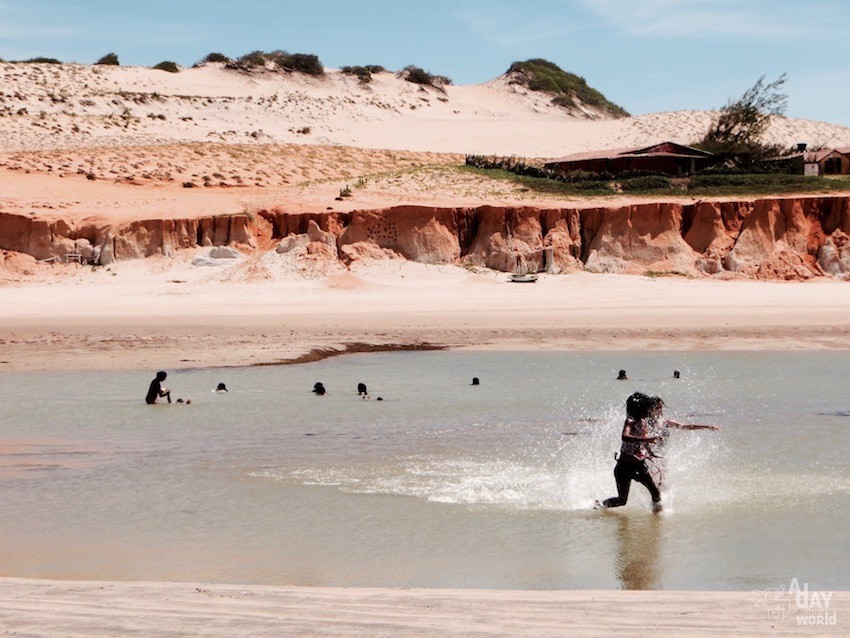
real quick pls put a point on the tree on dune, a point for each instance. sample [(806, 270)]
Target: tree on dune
[(737, 131)]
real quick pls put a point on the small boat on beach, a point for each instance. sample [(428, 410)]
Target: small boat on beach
[(523, 273), (523, 278)]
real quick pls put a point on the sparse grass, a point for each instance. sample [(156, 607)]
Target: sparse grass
[(537, 185), (763, 184), (653, 185)]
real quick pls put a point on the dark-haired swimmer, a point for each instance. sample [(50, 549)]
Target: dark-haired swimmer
[(641, 457), (622, 376), (155, 391)]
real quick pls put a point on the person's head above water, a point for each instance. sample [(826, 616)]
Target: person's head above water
[(676, 374), (476, 381), (160, 376), (221, 388), (638, 406), (622, 375), (655, 405)]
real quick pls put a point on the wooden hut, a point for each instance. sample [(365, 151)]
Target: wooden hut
[(669, 158)]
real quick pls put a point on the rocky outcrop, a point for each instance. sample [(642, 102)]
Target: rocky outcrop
[(793, 238), (635, 239), (102, 242)]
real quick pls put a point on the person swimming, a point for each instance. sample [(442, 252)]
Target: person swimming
[(155, 391), (622, 376), (361, 389), (676, 374), (221, 388), (319, 389), (476, 381), (643, 440)]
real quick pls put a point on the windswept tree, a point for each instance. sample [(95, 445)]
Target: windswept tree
[(736, 133)]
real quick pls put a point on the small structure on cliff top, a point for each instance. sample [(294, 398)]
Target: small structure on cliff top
[(825, 161), (669, 158)]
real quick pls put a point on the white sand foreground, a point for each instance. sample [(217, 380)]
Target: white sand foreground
[(59, 609)]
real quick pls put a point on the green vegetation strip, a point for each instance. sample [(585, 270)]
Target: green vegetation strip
[(659, 185)]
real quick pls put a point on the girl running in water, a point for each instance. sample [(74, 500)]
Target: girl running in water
[(641, 457)]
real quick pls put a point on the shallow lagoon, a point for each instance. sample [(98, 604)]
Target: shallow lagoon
[(442, 484)]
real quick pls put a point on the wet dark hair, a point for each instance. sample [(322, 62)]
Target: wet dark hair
[(655, 403), (160, 376), (638, 405)]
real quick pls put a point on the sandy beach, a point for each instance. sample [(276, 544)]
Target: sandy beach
[(163, 314), (205, 142), (82, 609)]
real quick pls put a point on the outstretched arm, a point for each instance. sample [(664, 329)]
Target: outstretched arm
[(690, 426)]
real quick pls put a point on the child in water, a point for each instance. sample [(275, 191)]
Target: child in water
[(641, 457), (156, 391)]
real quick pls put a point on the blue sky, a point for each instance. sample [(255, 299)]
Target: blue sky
[(646, 55)]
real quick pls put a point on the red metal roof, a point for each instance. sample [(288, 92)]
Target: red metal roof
[(632, 153)]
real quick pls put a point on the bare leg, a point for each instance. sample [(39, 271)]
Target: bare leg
[(623, 473)]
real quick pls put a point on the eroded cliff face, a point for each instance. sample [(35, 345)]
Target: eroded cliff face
[(771, 238), (56, 239)]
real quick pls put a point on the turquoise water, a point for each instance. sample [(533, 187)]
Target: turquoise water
[(441, 484)]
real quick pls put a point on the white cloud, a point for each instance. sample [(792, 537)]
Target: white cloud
[(702, 18), (19, 25), (508, 27)]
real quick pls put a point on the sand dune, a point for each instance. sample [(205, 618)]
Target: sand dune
[(47, 107)]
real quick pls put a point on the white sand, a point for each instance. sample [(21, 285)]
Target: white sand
[(59, 609), (160, 313)]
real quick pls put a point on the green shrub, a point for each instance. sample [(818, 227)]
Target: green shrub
[(421, 76), (216, 57), (375, 68), (299, 62), (167, 65), (306, 63), (110, 59), (40, 61), (645, 183), (541, 75), (251, 60), (362, 73)]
